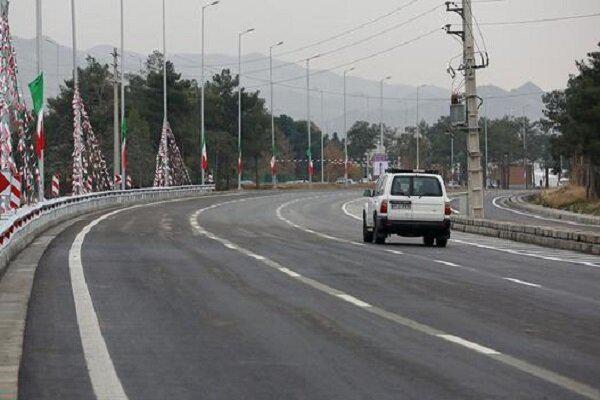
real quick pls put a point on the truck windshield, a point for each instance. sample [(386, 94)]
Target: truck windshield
[(419, 186)]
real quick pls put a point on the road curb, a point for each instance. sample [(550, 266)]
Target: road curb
[(584, 242)]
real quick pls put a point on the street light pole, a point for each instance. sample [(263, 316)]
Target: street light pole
[(525, 150), (308, 127), (382, 150), (165, 109), (57, 63), (123, 127), (273, 153), (322, 136), (346, 129), (418, 129), (240, 35), (202, 126)]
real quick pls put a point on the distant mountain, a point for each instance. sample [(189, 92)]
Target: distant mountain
[(400, 106)]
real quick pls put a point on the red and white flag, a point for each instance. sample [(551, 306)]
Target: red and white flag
[(240, 166), (55, 185), (204, 157), (273, 165), (129, 182), (15, 190)]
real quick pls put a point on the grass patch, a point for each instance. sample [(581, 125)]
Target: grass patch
[(569, 198)]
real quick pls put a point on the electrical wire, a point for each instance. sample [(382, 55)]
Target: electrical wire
[(331, 38), (541, 20), (358, 60), (356, 43)]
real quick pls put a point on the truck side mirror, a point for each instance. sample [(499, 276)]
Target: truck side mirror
[(368, 193)]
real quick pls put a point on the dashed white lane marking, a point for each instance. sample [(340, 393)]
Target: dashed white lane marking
[(520, 282), (354, 300), (448, 264), (470, 345), (524, 366)]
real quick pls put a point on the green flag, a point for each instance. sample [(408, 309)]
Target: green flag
[(36, 87)]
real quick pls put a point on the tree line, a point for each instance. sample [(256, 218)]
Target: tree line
[(144, 112)]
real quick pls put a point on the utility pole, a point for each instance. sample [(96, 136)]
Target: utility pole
[(116, 140), (469, 68)]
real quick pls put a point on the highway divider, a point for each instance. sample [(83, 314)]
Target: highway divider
[(585, 242), (18, 230)]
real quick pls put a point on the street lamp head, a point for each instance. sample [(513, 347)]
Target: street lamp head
[(214, 3), (387, 78), (279, 43)]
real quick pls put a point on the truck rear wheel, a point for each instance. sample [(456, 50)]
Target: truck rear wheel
[(441, 242), (428, 241), (367, 235), (378, 236)]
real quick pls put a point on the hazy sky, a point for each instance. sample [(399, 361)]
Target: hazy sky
[(542, 53)]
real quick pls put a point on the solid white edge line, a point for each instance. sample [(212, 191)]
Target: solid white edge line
[(101, 370), (103, 376), (354, 300)]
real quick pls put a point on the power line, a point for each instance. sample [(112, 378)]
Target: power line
[(330, 38), (358, 60), (356, 43), (541, 20)]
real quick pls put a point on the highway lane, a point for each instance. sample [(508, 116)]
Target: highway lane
[(184, 316), (495, 210)]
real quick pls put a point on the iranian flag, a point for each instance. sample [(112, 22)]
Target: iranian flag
[(273, 163), (311, 166), (123, 146), (204, 156), (37, 94)]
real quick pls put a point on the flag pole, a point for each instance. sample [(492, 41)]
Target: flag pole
[(39, 55)]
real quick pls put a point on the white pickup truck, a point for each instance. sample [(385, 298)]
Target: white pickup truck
[(410, 203)]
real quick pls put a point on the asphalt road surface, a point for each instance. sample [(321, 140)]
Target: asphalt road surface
[(496, 210), (273, 296)]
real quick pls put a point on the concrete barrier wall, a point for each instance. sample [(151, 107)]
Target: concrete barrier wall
[(542, 236), (19, 230)]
